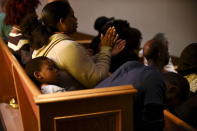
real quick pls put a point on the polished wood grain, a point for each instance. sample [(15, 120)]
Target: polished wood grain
[(173, 123), (23, 88), (82, 94), (7, 90), (105, 121), (101, 107)]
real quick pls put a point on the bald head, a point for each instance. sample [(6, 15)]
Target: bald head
[(156, 51), (148, 52)]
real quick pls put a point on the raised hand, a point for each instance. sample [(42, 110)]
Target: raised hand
[(109, 38), (118, 46)]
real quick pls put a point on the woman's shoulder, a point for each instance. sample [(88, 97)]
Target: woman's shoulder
[(57, 43), (59, 37), (61, 40)]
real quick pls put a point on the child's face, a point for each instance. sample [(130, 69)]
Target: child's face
[(49, 72)]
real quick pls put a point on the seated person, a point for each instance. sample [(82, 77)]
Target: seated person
[(149, 101), (177, 90), (50, 36), (98, 25), (17, 42), (130, 44), (45, 74), (188, 65), (156, 53)]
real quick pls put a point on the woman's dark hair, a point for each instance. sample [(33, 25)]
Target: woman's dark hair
[(16, 10), (101, 21), (39, 31), (132, 35), (188, 60), (33, 66), (53, 11), (133, 40)]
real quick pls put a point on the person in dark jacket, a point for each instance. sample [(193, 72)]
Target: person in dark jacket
[(149, 101)]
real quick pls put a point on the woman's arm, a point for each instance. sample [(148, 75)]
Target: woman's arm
[(74, 58)]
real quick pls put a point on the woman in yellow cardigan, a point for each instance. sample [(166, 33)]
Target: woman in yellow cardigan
[(50, 37)]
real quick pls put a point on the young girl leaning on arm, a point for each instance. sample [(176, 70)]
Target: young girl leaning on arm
[(45, 74)]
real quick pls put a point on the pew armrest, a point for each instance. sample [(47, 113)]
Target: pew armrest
[(173, 123)]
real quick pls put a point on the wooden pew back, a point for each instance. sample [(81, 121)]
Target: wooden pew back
[(173, 123), (24, 90), (106, 109), (7, 90)]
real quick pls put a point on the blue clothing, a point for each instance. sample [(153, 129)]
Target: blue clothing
[(4, 29), (148, 104)]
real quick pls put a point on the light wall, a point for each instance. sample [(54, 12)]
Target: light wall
[(176, 18)]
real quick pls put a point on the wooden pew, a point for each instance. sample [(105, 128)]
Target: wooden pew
[(6, 80), (78, 36), (106, 109), (173, 123), (84, 39)]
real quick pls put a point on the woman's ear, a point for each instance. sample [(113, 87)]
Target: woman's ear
[(61, 21), (61, 25)]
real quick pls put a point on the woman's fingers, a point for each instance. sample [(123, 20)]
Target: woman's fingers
[(110, 37), (116, 38), (118, 47), (120, 44), (108, 33)]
